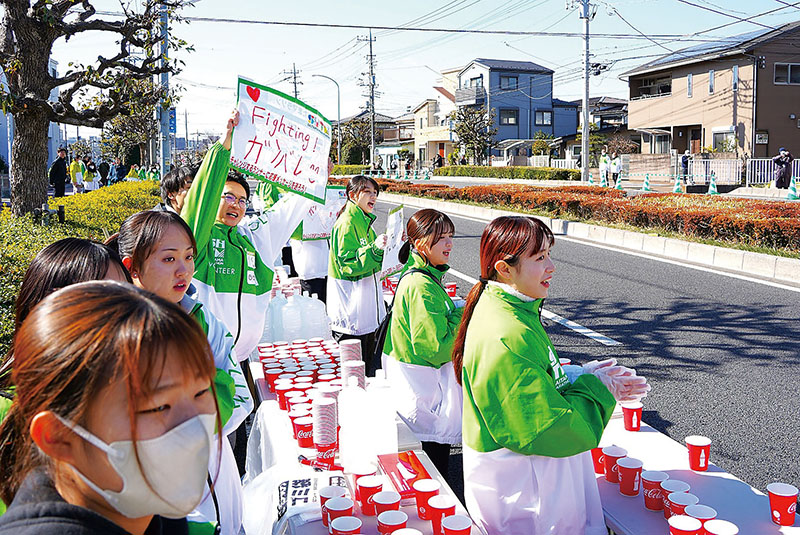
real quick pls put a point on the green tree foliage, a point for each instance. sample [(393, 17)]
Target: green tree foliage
[(475, 130), (540, 143)]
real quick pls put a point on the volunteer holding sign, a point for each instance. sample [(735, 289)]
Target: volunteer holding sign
[(526, 427), (420, 340)]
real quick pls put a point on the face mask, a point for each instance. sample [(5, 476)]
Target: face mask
[(175, 463)]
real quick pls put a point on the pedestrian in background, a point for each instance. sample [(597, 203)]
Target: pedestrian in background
[(105, 172), (58, 173), (174, 187), (783, 168), (605, 165), (615, 166), (90, 180), (685, 157), (76, 174)]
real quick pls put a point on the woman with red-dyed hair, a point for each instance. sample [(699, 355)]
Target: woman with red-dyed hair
[(527, 427)]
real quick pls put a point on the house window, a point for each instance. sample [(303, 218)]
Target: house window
[(689, 85), (787, 73), (576, 151), (724, 141), (420, 122), (543, 118), (508, 82), (661, 144), (711, 82), (651, 87), (476, 82), (509, 117), (735, 84)]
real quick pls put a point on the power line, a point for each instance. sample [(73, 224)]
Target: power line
[(718, 12)]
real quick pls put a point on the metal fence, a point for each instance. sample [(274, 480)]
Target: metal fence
[(762, 171), (725, 171), (564, 164)]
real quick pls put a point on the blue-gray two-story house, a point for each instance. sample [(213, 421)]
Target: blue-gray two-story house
[(521, 95)]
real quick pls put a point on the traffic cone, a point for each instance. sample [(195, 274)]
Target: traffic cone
[(591, 180), (604, 181), (646, 185), (619, 182), (405, 175), (712, 185), (792, 195), (416, 174), (677, 188), (427, 174)]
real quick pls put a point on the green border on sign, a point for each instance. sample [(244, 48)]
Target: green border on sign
[(296, 101)]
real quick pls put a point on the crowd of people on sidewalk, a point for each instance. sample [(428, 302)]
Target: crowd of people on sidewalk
[(84, 174), (126, 421)]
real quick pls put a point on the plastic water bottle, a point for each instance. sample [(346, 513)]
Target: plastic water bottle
[(356, 441), (383, 417), (319, 318), (275, 316), (293, 318)]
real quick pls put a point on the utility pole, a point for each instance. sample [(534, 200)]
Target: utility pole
[(338, 118), (163, 123), (587, 14), (371, 84), (292, 75)]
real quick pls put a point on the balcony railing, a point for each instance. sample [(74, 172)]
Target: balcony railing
[(468, 96), (398, 134), (644, 97)]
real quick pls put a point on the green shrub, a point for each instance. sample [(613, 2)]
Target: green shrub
[(89, 215), (518, 171), (348, 169)]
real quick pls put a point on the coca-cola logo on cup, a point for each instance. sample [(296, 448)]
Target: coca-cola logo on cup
[(653, 493), (326, 454), (792, 508), (615, 468), (304, 434)]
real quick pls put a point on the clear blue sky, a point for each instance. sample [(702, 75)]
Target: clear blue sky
[(408, 62)]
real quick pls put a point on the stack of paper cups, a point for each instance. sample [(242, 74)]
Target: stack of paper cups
[(350, 350), (355, 369), (323, 412)]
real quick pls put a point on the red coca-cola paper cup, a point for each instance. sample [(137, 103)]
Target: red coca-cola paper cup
[(451, 287), (611, 454), (294, 414), (296, 401), (668, 487), (407, 531), (338, 507), (597, 460), (326, 453), (326, 378), (424, 489), (684, 525), (651, 488), (386, 500), (679, 501), (281, 390), (699, 452), (270, 375), (391, 521), (720, 527), (362, 471), (630, 473), (368, 487), (703, 513), (565, 362), (457, 525), (632, 416), (440, 506), (328, 493), (782, 503), (305, 431), (345, 525), (304, 380)]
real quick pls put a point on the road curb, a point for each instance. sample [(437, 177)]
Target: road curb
[(747, 263)]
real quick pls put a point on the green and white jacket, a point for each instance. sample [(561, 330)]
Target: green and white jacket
[(418, 351), (235, 403), (355, 297), (234, 265), (527, 429)]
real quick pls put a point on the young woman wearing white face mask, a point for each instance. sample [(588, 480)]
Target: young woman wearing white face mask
[(112, 424)]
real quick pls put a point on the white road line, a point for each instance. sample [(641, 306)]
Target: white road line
[(605, 340), (656, 258)]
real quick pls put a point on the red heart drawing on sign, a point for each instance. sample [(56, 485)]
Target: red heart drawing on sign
[(254, 93)]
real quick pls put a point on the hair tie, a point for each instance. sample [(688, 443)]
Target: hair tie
[(483, 281)]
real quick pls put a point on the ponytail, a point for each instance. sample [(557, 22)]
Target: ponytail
[(458, 349)]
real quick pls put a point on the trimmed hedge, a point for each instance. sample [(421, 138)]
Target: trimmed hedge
[(771, 224), (348, 169), (518, 171), (89, 215)]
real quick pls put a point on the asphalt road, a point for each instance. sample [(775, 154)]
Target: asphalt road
[(722, 354)]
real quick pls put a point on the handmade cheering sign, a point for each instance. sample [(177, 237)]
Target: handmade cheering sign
[(394, 233), (281, 140), (318, 222)]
